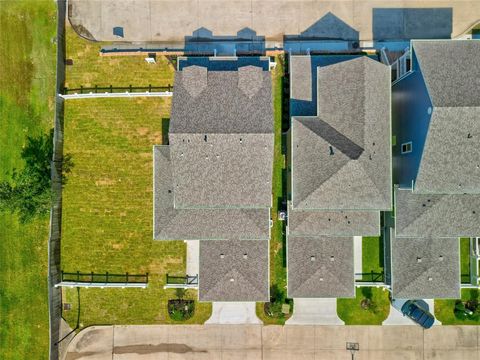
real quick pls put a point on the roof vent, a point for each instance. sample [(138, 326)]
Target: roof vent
[(321, 279), (440, 258), (469, 136), (205, 138), (232, 279), (222, 256), (430, 278), (332, 258), (245, 256), (419, 259), (312, 258), (331, 150)]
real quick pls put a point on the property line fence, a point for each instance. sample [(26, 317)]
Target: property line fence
[(78, 279), (110, 91)]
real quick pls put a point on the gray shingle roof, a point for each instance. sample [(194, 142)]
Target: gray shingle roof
[(450, 160), (221, 138), (451, 70), (222, 102), (305, 223), (199, 224), (320, 267), (249, 274), (341, 160), (226, 170), (433, 215), (425, 268)]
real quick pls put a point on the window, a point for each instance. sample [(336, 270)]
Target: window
[(407, 148)]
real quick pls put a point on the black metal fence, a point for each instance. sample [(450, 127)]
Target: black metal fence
[(117, 89), (106, 277), (182, 280), (371, 277)]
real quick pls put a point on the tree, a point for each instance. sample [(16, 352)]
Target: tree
[(28, 192)]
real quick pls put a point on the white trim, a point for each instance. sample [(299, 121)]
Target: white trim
[(116, 95), (72, 284)]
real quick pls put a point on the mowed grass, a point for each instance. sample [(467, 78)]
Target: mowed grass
[(90, 69), (27, 80), (465, 259), (372, 256), (351, 311), (278, 271), (444, 309), (107, 210)]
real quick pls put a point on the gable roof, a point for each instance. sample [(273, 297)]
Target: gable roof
[(320, 267), (308, 223), (450, 161), (246, 262), (199, 224), (434, 215), (425, 268), (222, 102), (341, 159), (221, 138)]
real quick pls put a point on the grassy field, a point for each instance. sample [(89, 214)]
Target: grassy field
[(350, 310), (107, 210), (444, 309), (27, 80), (372, 255), (90, 69), (465, 259), (278, 271)]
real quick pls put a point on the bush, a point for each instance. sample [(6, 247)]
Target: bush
[(277, 300), (181, 310)]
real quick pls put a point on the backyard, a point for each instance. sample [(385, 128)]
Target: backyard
[(278, 271), (27, 80), (107, 211)]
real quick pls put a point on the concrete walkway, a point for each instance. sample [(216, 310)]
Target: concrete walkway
[(227, 342), (315, 312), (357, 256), (233, 313), (193, 253), (173, 21)]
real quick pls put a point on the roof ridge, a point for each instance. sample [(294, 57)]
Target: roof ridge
[(236, 272)]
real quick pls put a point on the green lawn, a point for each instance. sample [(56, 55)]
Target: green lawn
[(27, 80), (444, 309), (465, 259), (278, 271), (372, 256), (351, 311), (107, 210), (90, 69)]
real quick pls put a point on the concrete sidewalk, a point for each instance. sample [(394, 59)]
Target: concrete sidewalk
[(173, 21), (253, 342)]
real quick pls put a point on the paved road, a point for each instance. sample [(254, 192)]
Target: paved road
[(172, 20), (253, 342)]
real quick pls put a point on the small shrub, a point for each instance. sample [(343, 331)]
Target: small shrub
[(181, 310)]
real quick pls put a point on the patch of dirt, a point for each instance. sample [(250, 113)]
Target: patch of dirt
[(117, 246), (153, 349), (105, 182), (142, 131), (83, 32)]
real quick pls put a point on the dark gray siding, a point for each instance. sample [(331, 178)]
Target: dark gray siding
[(410, 122)]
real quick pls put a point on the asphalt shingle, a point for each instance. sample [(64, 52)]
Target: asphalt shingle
[(320, 267), (234, 270)]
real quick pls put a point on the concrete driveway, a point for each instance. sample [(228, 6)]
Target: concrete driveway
[(395, 317), (172, 20), (315, 312), (227, 342), (233, 313)]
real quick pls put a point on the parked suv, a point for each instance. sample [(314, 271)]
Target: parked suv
[(417, 313)]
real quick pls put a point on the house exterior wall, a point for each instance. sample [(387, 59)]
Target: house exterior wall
[(410, 122)]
